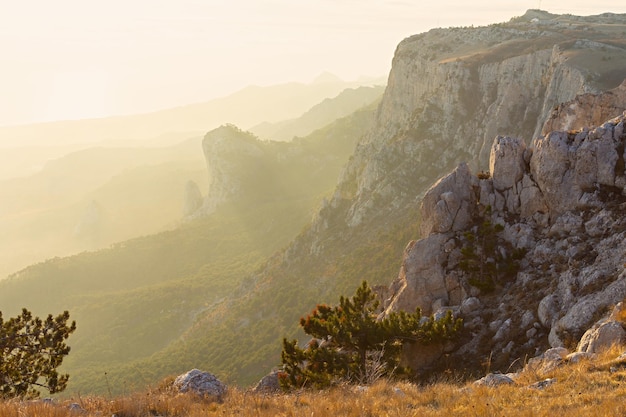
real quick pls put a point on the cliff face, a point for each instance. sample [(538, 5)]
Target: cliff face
[(558, 260), (451, 91), (231, 156), (587, 110)]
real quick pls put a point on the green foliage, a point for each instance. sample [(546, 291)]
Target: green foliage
[(31, 350), (485, 256), (349, 340)]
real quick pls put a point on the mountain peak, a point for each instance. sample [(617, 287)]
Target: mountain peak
[(326, 78)]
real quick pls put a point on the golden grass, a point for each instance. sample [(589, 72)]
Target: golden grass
[(595, 388)]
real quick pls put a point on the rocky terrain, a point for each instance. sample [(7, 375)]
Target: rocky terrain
[(560, 206), (558, 198)]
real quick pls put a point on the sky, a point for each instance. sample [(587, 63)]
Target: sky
[(73, 59)]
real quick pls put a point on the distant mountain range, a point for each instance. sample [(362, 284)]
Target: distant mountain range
[(25, 148)]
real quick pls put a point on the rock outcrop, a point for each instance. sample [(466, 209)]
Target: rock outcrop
[(560, 207), (231, 156), (587, 110), (200, 383), (449, 93)]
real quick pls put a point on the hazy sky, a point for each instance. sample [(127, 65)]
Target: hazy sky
[(67, 59)]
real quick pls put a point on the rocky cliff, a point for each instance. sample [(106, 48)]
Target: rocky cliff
[(449, 94), (451, 91), (557, 263)]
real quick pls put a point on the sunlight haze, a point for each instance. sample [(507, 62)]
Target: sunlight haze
[(73, 59)]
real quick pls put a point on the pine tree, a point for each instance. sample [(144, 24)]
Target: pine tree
[(349, 339), (31, 350)]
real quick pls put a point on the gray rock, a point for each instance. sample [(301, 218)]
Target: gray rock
[(470, 305), (421, 280), (503, 331), (602, 336), (543, 384), (506, 162), (268, 384), (577, 357), (494, 380), (201, 383), (528, 318), (548, 310), (449, 204), (547, 361)]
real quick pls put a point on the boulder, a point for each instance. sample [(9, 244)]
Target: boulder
[(506, 162), (449, 204), (421, 280), (601, 337), (548, 310), (494, 380), (548, 361), (200, 383), (268, 384)]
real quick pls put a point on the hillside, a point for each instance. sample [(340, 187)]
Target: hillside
[(105, 193), (348, 101), (137, 297), (92, 198), (450, 92)]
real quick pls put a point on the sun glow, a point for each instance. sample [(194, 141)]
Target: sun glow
[(78, 94)]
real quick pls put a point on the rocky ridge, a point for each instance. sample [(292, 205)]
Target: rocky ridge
[(450, 92), (560, 206)]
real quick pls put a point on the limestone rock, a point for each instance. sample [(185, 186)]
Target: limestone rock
[(268, 384), (230, 155), (602, 336), (506, 162), (470, 305), (543, 384), (91, 222), (421, 280), (200, 383), (495, 380), (548, 310), (569, 168), (449, 204), (587, 110), (547, 361)]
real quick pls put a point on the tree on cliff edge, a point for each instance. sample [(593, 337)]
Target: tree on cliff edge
[(31, 350), (350, 343)]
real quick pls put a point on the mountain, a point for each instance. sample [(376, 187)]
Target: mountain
[(450, 93), (52, 212), (553, 265), (37, 143), (43, 215), (329, 110), (136, 298)]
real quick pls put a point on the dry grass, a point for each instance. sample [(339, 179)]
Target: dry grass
[(586, 388)]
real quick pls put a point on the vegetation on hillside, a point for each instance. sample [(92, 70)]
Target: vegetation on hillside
[(31, 350), (351, 343), (152, 306)]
